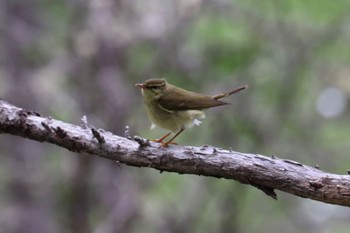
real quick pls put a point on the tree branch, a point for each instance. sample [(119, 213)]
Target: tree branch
[(260, 171)]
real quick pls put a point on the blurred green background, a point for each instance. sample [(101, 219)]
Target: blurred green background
[(71, 58)]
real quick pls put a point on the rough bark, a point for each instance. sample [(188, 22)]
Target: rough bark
[(265, 173)]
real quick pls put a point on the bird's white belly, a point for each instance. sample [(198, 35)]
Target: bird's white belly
[(174, 120)]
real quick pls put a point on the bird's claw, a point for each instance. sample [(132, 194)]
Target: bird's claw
[(166, 144)]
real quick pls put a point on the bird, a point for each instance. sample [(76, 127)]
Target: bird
[(176, 109)]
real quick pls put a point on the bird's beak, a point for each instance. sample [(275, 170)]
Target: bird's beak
[(140, 85)]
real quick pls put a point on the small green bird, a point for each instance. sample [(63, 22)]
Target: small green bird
[(177, 109)]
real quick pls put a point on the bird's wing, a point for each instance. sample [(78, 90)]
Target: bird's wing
[(183, 102)]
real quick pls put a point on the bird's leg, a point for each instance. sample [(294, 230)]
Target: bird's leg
[(172, 139), (160, 140)]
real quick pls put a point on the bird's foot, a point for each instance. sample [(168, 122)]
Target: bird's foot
[(160, 140), (166, 144)]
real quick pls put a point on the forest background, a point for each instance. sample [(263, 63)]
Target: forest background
[(71, 58)]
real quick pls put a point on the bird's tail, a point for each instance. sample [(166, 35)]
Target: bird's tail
[(228, 93)]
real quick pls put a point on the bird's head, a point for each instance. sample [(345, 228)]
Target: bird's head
[(152, 88)]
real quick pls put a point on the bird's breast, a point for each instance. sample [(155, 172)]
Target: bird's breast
[(172, 120)]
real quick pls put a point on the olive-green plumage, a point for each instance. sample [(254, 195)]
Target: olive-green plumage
[(176, 109)]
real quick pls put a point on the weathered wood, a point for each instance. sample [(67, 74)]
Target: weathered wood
[(265, 173)]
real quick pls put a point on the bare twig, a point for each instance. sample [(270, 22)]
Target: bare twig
[(126, 132), (84, 122), (98, 135), (259, 171)]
